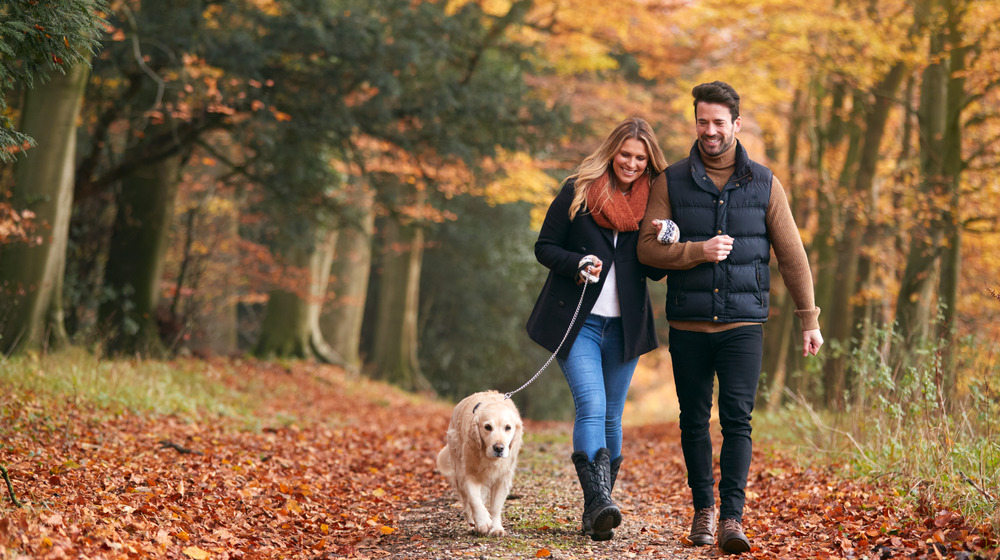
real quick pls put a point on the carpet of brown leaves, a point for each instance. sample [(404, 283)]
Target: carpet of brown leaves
[(342, 467)]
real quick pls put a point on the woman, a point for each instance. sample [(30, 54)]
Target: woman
[(592, 226)]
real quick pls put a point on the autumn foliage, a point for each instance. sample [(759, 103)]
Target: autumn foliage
[(323, 464)]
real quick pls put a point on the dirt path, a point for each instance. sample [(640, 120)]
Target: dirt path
[(542, 516), (791, 512)]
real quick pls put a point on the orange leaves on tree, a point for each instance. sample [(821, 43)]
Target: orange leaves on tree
[(17, 226)]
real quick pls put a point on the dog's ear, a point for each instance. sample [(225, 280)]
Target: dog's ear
[(515, 444), (475, 436)]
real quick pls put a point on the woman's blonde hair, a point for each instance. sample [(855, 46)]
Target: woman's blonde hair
[(596, 164)]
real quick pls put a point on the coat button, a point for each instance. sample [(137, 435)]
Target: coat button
[(716, 318), (722, 202), (719, 231), (716, 290)]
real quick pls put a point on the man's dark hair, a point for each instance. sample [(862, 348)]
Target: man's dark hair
[(717, 92)]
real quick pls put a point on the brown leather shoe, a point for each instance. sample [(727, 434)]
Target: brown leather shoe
[(731, 537), (703, 527)]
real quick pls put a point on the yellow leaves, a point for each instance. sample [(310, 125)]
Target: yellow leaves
[(495, 8), (580, 55), (519, 178), (292, 506), (65, 466), (386, 530), (268, 7), (196, 553), (543, 553)]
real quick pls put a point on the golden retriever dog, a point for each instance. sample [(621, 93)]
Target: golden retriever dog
[(480, 457)]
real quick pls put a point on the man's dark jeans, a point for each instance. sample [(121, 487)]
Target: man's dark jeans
[(735, 356)]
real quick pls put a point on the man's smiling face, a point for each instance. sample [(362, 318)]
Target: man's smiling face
[(716, 127)]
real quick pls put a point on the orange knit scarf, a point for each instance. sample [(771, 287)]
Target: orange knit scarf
[(614, 209)]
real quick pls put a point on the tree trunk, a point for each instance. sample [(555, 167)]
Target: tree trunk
[(343, 315), (953, 166), (31, 277), (145, 212), (319, 274), (291, 322), (394, 346), (782, 342), (863, 190), (915, 307), (285, 330), (824, 249)]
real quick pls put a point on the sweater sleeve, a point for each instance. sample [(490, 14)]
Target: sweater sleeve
[(793, 264), (674, 256)]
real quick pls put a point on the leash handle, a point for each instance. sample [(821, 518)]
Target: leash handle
[(579, 304)]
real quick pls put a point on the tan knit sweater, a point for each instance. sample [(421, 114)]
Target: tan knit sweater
[(781, 229)]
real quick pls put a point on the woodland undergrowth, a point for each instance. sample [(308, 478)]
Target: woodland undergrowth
[(901, 430)]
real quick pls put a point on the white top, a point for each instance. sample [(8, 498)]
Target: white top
[(607, 301)]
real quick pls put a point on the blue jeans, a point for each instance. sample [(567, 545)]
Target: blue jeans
[(599, 380), (735, 357)]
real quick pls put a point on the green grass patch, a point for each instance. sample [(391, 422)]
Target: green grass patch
[(187, 389)]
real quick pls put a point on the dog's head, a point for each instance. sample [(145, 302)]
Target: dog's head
[(498, 428)]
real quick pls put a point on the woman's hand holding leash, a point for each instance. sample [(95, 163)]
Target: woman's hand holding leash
[(589, 270)]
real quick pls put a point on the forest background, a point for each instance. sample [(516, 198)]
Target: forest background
[(361, 182)]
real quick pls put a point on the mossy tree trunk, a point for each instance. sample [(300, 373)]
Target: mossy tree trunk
[(343, 315), (394, 345), (31, 275), (132, 277)]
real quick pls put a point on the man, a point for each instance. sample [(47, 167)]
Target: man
[(731, 212)]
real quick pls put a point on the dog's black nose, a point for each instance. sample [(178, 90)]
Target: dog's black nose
[(498, 449)]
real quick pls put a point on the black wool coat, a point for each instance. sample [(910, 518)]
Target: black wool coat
[(560, 246)]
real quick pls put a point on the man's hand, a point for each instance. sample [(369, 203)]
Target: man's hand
[(811, 341), (718, 248)]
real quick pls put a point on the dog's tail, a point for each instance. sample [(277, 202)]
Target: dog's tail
[(444, 465)]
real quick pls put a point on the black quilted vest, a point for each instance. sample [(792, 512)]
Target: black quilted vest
[(738, 288)]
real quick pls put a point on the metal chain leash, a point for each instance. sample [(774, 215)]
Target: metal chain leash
[(565, 336)]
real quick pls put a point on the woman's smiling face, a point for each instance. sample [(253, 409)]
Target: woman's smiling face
[(630, 162)]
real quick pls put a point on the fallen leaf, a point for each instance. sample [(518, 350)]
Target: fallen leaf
[(196, 553), (543, 553)]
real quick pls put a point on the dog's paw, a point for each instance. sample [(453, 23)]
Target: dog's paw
[(497, 531), (482, 525)]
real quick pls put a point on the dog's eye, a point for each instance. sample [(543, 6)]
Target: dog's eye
[(508, 428), (488, 428)]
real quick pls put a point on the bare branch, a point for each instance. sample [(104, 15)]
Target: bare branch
[(10, 487), (167, 444)]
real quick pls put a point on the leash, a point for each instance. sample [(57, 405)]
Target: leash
[(565, 336)]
